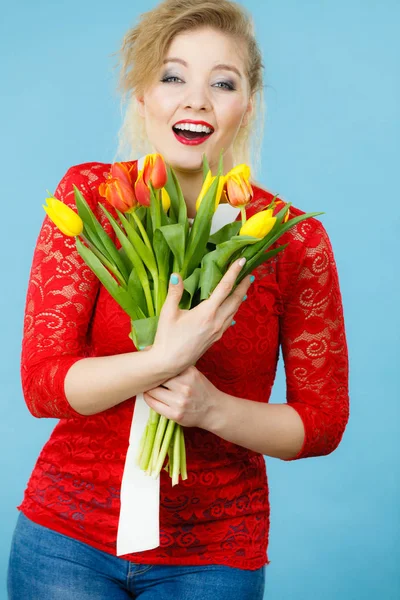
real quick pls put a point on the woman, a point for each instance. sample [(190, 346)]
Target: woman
[(186, 61)]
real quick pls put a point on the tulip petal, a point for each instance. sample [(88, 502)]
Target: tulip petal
[(142, 191), (259, 225), (66, 219)]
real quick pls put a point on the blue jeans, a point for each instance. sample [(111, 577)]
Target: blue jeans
[(46, 565)]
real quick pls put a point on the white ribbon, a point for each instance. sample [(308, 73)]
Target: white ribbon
[(139, 518)]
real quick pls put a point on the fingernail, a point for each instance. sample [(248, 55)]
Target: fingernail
[(174, 279), (242, 261), (245, 297), (252, 278), (233, 323)]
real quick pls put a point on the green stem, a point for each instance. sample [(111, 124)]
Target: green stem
[(148, 447), (142, 445), (142, 231), (164, 448), (105, 261), (171, 458), (176, 455), (184, 474), (162, 424)]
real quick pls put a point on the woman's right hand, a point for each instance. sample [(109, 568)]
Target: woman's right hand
[(184, 335)]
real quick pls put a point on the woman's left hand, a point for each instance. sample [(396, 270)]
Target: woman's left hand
[(188, 399)]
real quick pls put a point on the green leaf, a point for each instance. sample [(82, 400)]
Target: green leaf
[(206, 166), (210, 276), (97, 234), (155, 208), (173, 194), (224, 251), (135, 290), (134, 258), (225, 233), (190, 285), (144, 252), (175, 237), (182, 208), (200, 231), (144, 331), (162, 252), (120, 295)]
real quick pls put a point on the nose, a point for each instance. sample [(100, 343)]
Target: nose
[(197, 99)]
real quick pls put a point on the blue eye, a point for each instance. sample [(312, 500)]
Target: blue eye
[(229, 85), (168, 78)]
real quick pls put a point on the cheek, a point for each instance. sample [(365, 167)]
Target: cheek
[(160, 105), (231, 116)]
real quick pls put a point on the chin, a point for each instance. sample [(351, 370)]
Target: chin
[(186, 163)]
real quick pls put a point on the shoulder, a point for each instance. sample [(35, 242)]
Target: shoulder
[(298, 233), (308, 242), (90, 174)]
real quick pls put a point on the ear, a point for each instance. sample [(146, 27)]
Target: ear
[(140, 105), (248, 113)]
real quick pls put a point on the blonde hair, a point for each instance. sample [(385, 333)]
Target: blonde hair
[(144, 48)]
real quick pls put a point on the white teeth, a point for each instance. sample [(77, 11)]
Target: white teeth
[(193, 127)]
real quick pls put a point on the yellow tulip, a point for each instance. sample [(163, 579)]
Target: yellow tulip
[(240, 170), (259, 225), (66, 219), (165, 199), (206, 185)]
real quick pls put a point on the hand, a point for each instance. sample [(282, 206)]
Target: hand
[(187, 399), (184, 335)]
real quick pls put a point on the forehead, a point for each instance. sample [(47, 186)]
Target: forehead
[(207, 47)]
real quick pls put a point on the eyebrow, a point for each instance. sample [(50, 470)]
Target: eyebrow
[(219, 66)]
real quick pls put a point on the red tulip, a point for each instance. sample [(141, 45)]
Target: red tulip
[(155, 171), (118, 187), (142, 191)]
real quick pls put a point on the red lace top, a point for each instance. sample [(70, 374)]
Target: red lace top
[(220, 514)]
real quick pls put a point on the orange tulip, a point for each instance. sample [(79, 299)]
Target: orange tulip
[(117, 189), (238, 190), (142, 191), (155, 171)]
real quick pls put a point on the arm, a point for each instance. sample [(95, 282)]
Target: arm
[(315, 354), (58, 378)]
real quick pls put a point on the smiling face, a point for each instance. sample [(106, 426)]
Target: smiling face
[(202, 81)]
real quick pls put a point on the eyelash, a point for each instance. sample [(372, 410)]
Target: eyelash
[(229, 84)]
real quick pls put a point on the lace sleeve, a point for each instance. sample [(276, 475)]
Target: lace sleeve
[(314, 347), (60, 297)]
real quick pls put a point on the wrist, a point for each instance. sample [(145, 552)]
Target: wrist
[(215, 416), (162, 365)]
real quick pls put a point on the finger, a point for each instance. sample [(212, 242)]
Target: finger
[(161, 394), (160, 407), (175, 291), (232, 304), (224, 288)]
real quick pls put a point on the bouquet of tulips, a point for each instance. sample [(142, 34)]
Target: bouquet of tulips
[(157, 240)]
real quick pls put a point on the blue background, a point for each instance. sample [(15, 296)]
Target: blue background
[(331, 144)]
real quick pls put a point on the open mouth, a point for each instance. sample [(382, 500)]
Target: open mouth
[(192, 134)]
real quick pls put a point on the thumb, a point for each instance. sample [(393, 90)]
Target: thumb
[(175, 291)]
